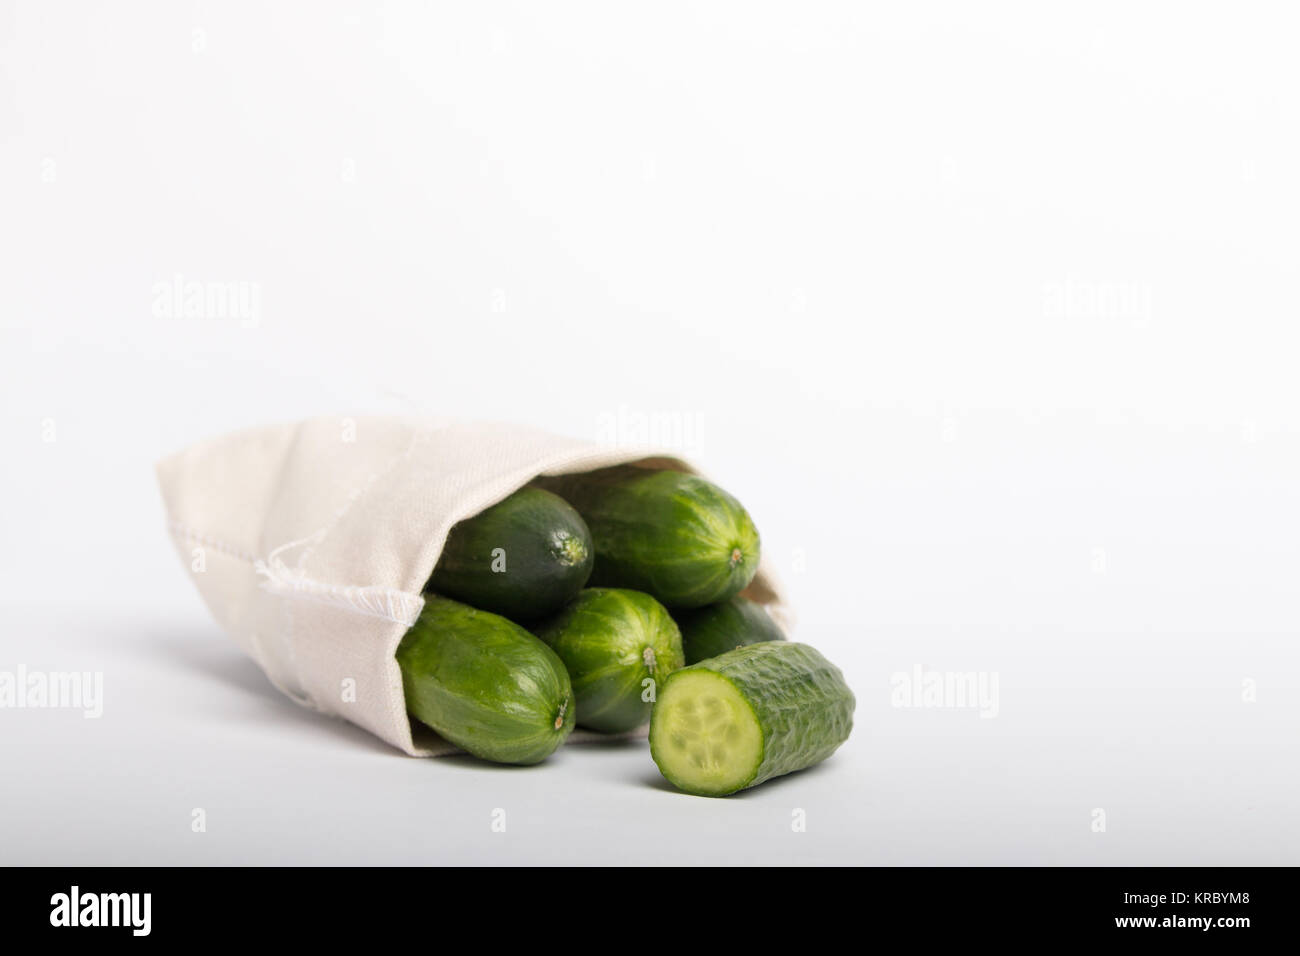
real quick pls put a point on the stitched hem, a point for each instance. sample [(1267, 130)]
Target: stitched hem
[(187, 533)]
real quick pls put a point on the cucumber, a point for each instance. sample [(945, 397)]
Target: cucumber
[(718, 628), (618, 646), (748, 715), (485, 684), (523, 558), (679, 538)]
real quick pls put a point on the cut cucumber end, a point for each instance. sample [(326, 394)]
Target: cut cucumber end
[(704, 735)]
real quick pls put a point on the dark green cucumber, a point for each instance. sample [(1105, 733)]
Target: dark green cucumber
[(485, 684), (748, 715), (523, 558), (679, 538), (618, 646), (718, 628)]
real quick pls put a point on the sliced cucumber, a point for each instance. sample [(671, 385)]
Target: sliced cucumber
[(748, 715), (705, 736)]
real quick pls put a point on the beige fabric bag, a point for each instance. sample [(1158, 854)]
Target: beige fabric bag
[(311, 542)]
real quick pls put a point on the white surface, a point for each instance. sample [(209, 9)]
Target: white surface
[(831, 243), (1148, 728)]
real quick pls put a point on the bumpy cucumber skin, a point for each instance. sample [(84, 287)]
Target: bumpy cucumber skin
[(679, 538), (803, 706), (547, 552), (718, 628), (602, 637), (485, 683)]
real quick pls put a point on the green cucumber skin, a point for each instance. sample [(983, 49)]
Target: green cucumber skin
[(485, 683), (718, 628), (601, 637), (803, 706), (679, 538), (547, 552)]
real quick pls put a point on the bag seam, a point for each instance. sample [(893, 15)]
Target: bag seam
[(182, 530)]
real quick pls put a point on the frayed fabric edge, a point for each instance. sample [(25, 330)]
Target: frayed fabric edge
[(389, 604)]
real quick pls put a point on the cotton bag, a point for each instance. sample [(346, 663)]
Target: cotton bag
[(311, 543)]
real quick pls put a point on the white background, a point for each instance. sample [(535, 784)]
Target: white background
[(987, 312)]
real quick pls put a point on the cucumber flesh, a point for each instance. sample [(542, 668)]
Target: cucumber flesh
[(709, 739)]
